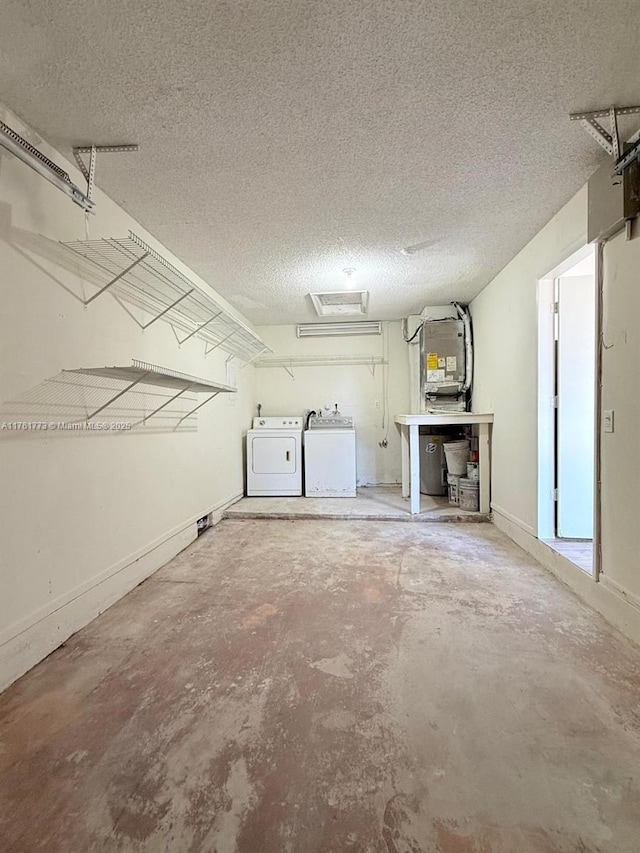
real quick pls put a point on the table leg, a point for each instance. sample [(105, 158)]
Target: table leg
[(414, 463), (484, 468), (404, 445)]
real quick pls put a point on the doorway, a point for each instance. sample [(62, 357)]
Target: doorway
[(567, 420)]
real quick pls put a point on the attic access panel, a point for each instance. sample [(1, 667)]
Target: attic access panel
[(341, 303)]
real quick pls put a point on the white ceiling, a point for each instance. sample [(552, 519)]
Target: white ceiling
[(282, 141)]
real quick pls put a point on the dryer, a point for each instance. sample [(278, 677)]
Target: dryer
[(274, 457)]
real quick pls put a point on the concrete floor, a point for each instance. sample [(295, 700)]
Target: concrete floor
[(322, 686), (381, 503)]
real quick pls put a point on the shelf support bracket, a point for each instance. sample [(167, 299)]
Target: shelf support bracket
[(93, 150), (199, 328), (117, 278), (609, 141), (166, 310), (193, 411), (117, 396), (215, 346), (163, 406), (248, 361), (615, 135)]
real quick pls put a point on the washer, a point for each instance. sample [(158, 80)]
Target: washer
[(330, 457), (274, 457)]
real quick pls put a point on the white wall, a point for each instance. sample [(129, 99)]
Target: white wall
[(621, 392), (86, 517), (352, 386), (505, 317), (505, 332)]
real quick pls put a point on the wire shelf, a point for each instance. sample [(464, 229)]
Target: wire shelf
[(290, 363), (136, 274), (140, 374), (318, 361)]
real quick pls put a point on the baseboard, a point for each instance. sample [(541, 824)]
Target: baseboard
[(615, 588), (615, 605), (513, 519), (28, 641)]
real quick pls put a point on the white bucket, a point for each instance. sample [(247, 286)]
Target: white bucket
[(457, 453), (454, 489), (469, 494)]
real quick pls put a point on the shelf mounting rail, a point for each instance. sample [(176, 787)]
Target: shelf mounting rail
[(45, 167)]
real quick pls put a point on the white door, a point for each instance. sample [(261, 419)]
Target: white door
[(273, 454), (576, 400)]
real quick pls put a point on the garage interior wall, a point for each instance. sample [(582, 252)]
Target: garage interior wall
[(85, 517), (357, 389), (505, 325)]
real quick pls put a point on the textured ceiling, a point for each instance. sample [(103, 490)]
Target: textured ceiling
[(282, 141)]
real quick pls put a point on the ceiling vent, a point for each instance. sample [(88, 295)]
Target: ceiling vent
[(322, 330), (341, 302)]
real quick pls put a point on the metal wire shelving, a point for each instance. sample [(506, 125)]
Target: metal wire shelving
[(290, 363), (137, 275), (141, 373)]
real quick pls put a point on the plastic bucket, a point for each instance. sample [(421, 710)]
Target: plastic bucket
[(469, 494), (457, 454), (453, 482)]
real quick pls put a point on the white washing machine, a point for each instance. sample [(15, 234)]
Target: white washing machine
[(274, 457), (330, 457)]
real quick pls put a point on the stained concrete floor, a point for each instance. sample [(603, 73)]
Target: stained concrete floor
[(322, 686)]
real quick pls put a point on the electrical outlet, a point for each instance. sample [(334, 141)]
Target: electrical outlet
[(377, 404), (607, 420)]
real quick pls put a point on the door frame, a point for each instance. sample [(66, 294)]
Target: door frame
[(546, 457)]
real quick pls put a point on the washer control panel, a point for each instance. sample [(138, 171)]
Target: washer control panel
[(277, 423), (331, 422)]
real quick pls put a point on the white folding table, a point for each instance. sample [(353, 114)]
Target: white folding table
[(409, 430)]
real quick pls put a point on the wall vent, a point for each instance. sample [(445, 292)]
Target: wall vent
[(322, 330)]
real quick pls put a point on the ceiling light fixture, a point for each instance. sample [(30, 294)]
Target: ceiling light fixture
[(349, 272)]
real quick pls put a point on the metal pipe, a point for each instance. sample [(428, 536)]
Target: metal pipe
[(463, 313)]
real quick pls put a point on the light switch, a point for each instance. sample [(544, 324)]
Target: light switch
[(607, 420)]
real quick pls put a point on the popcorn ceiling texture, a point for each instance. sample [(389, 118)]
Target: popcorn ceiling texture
[(283, 141)]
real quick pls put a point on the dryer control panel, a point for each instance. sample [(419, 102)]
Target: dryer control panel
[(277, 423)]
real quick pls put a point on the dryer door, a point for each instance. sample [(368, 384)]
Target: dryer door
[(273, 454)]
